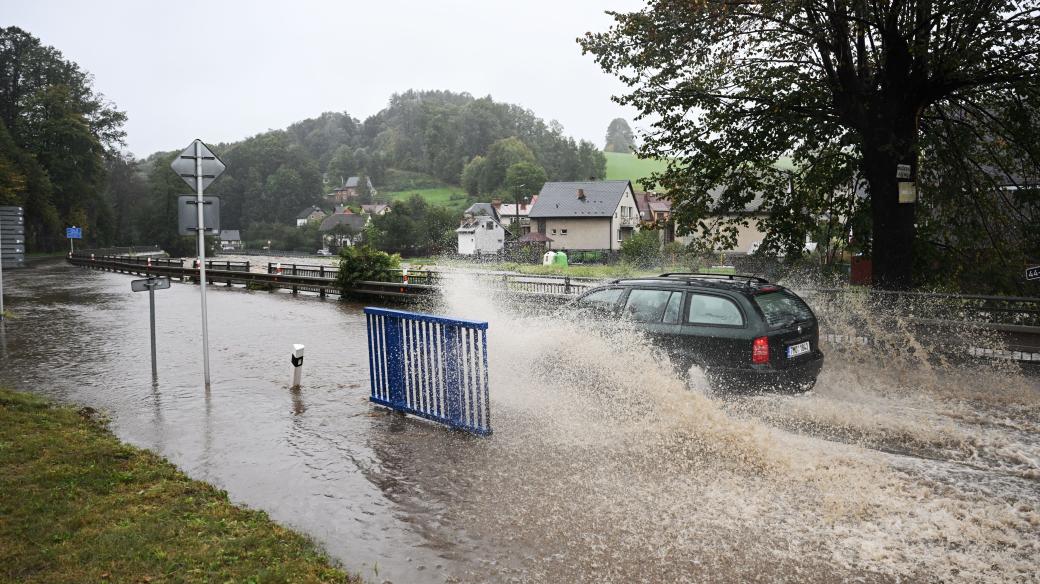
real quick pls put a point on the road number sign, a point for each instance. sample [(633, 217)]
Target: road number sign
[(146, 284)]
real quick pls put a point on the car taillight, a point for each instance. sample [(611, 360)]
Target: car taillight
[(760, 350)]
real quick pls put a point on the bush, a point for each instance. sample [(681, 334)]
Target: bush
[(642, 249), (361, 264)]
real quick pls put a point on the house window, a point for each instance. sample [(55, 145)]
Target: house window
[(619, 235), (490, 225), (554, 232), (563, 232)]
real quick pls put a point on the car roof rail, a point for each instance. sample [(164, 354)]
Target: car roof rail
[(747, 277)]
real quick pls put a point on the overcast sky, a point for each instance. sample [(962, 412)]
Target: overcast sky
[(222, 71)]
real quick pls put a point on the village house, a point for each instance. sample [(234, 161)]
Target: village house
[(480, 231), (310, 215), (585, 215), (349, 191), (343, 229), (749, 237), (230, 240), (375, 209), (511, 213)]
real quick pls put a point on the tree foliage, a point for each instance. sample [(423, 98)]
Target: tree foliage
[(56, 134), (849, 89), (413, 228), (620, 137), (523, 178), (365, 264), (643, 249)]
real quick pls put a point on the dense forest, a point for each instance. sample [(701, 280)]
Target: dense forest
[(61, 158)]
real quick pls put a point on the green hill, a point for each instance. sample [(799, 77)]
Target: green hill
[(626, 166)]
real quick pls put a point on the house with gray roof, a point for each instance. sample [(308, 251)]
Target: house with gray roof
[(310, 214), (349, 190), (230, 240), (480, 231), (340, 229), (585, 215)]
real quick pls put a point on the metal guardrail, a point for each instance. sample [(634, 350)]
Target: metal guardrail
[(430, 366), (226, 265), (319, 271), (995, 310), (321, 286)]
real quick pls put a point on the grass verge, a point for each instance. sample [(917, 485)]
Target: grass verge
[(76, 505)]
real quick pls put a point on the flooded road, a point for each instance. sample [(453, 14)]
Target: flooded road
[(604, 467)]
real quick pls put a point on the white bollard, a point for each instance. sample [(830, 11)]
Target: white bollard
[(297, 366)]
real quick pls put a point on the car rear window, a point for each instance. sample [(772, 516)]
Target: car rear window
[(713, 310), (782, 307)]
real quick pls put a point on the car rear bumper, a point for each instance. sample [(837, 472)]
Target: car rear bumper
[(798, 375)]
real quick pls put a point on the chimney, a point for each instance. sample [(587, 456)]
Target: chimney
[(581, 194)]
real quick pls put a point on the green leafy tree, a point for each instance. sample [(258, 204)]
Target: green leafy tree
[(413, 228), (523, 178), (365, 264), (500, 156), (342, 165), (59, 133), (364, 190), (620, 137), (861, 87), (473, 175), (643, 249)]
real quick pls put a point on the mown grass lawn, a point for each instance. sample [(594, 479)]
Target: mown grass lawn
[(453, 198), (622, 166), (76, 505)]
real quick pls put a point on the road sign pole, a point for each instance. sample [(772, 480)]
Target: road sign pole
[(2, 273), (202, 258), (151, 307)]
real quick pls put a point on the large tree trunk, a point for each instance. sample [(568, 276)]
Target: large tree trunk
[(892, 241)]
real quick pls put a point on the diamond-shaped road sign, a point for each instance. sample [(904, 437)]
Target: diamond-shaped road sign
[(184, 165)]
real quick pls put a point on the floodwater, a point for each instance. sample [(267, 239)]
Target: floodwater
[(604, 466)]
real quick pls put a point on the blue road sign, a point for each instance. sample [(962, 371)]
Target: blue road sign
[(74, 233)]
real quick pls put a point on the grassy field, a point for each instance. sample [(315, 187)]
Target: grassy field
[(627, 166), (453, 198), (76, 505)]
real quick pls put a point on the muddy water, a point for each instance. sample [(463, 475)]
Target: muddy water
[(603, 467)]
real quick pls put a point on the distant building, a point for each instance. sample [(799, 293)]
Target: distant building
[(375, 209), (749, 237), (585, 215), (655, 210), (480, 231), (510, 212), (230, 240), (310, 215), (349, 191), (342, 229)]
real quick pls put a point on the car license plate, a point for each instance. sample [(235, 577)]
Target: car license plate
[(799, 349)]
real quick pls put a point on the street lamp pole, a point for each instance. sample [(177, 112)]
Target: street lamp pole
[(516, 196)]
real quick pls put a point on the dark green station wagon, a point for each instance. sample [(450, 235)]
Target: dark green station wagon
[(742, 331)]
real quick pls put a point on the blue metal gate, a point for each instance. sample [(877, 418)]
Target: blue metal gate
[(430, 366)]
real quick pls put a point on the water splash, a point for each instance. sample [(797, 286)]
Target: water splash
[(605, 466)]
